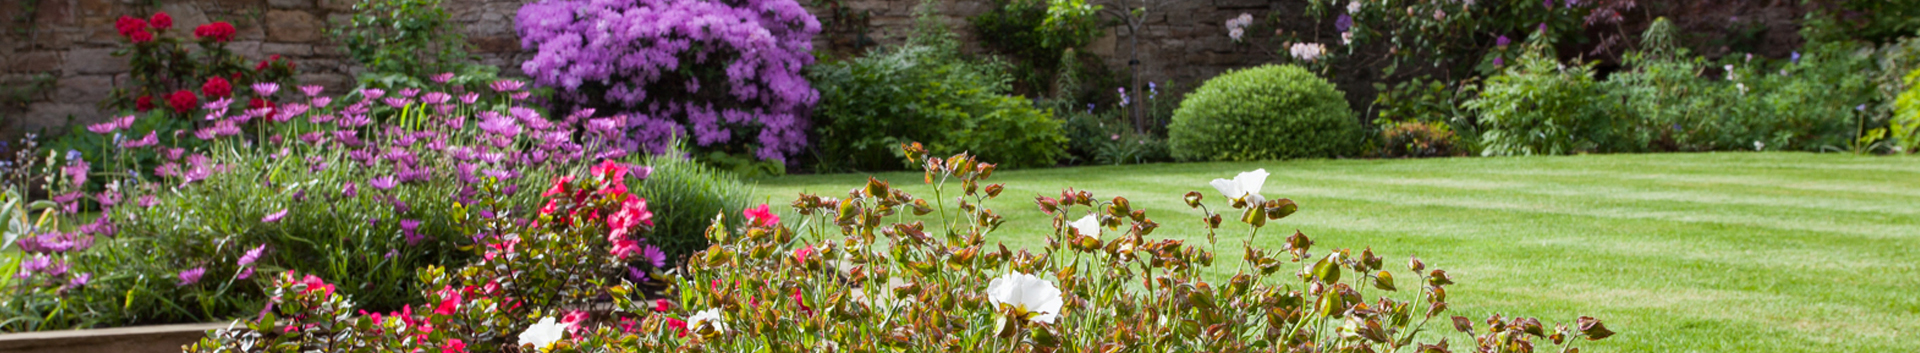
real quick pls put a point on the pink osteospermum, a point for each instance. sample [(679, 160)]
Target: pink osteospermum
[(190, 276), (274, 217)]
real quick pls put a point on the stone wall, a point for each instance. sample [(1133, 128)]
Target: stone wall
[(71, 41)]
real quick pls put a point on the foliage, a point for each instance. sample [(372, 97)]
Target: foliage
[(565, 262), (1462, 38), (1540, 106), (1906, 121), (1042, 36), (1874, 21), (685, 196), (311, 184), (1433, 103), (1105, 138), (929, 94), (855, 275), (726, 74), (1267, 112), (407, 41), (1413, 139), (1812, 102)]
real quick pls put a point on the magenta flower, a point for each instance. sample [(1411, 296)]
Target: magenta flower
[(507, 85), (435, 98), (383, 182), (409, 228), (266, 88), (274, 217), (469, 98), (654, 255), (311, 90), (251, 255), (372, 93), (350, 190), (442, 77), (191, 276), (79, 280), (409, 92)]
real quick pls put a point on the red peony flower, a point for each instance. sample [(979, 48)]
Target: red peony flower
[(162, 21), (141, 37), (128, 25), (217, 31), (144, 103), (216, 87), (183, 101)]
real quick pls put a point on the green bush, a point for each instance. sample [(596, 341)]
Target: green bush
[(870, 105), (1540, 106), (685, 195), (1038, 35), (1266, 112), (1906, 119), (1815, 101)]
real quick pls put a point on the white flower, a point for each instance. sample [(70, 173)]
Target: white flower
[(1742, 87), (1027, 295), (1353, 7), (1759, 146), (707, 317), (1244, 185), (1346, 38), (1236, 33), (543, 333), (1308, 51), (1088, 226)]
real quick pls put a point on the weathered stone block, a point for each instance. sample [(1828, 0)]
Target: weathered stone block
[(33, 62), (292, 26), (290, 4), (93, 61), (88, 89), (286, 49)]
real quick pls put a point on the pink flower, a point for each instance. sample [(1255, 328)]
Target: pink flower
[(559, 186), (762, 216), (251, 255), (274, 217), (449, 301), (662, 305), (454, 346), (633, 212), (191, 276), (801, 254), (678, 325), (442, 77)]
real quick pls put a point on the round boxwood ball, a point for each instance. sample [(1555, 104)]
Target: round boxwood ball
[(1261, 113)]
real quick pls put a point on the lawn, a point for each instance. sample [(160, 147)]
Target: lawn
[(1719, 252)]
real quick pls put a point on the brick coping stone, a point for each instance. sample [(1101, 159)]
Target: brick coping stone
[(136, 339)]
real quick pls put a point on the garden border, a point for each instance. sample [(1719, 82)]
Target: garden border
[(135, 339)]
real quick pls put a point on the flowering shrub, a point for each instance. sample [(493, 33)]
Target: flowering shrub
[(869, 273), (403, 42), (1459, 36), (724, 74), (1266, 112), (307, 183), (168, 69)]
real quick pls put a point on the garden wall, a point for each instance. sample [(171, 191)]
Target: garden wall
[(57, 53)]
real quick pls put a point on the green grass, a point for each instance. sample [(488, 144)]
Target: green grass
[(1727, 252)]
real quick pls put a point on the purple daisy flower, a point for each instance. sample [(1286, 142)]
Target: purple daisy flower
[(274, 217), (191, 276)]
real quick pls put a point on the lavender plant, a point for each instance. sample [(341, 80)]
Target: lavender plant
[(725, 74)]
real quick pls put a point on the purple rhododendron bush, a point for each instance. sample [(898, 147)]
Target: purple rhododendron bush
[(725, 75), (880, 270)]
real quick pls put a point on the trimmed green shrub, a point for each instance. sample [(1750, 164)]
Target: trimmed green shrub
[(685, 195), (1906, 119), (928, 94), (1267, 112), (1540, 106)]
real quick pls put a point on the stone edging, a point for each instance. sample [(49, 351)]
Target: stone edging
[(138, 339)]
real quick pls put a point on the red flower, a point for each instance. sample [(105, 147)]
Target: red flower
[(144, 103), (162, 21), (183, 101), (128, 25), (257, 103), (662, 305), (676, 324), (216, 87), (141, 37), (800, 255), (217, 31)]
